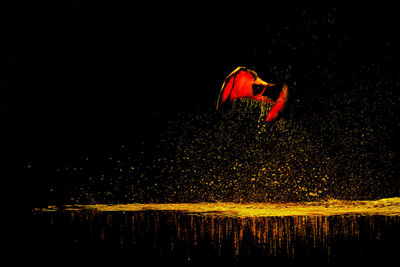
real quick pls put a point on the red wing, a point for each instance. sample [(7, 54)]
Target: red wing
[(238, 84), (280, 104)]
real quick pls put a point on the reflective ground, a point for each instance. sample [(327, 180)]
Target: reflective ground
[(314, 233)]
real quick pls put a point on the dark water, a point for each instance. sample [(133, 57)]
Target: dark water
[(154, 238)]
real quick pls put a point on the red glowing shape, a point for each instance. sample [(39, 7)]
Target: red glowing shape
[(279, 105), (240, 84)]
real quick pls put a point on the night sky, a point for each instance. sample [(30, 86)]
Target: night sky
[(81, 77)]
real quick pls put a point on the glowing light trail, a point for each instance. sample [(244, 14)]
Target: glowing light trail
[(386, 207)]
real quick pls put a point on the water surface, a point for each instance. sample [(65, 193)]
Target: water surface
[(314, 233)]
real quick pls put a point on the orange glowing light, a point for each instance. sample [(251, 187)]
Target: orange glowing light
[(385, 206), (274, 227)]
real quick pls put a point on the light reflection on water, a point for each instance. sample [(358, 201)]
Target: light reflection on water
[(168, 231), (191, 234)]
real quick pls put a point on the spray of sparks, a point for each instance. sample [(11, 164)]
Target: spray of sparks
[(334, 145)]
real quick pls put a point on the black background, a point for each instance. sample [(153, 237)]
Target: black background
[(79, 77)]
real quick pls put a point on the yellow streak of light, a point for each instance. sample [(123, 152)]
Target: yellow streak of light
[(385, 206)]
